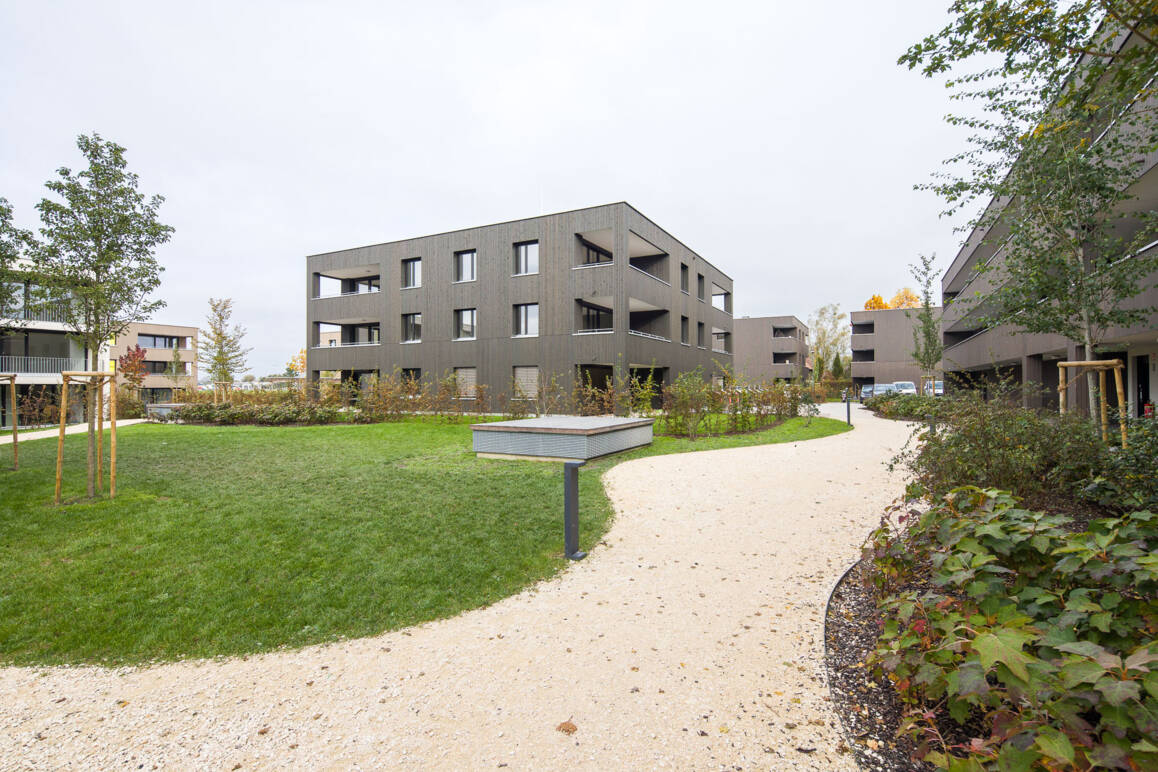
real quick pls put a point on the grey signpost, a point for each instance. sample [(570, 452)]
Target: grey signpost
[(571, 510)]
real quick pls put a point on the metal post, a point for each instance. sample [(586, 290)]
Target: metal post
[(848, 408), (571, 510)]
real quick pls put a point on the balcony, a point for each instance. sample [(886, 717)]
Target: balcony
[(51, 311), (39, 365)]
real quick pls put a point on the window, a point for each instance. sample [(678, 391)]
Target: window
[(466, 379), (411, 328), (684, 331), (412, 273), (162, 368), (411, 374), (526, 380), (593, 255), (683, 278), (160, 341), (464, 327), (700, 334), (527, 319), (464, 265), (369, 284), (594, 318), (700, 286), (364, 333), (526, 258)]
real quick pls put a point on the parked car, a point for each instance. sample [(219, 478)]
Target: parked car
[(934, 388), (884, 388), (866, 391), (905, 387)]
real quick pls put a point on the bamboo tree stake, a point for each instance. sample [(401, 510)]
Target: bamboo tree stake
[(113, 440), (60, 440), (99, 385), (1121, 403), (1103, 409), (15, 425)]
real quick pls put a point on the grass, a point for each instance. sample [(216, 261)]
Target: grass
[(231, 540)]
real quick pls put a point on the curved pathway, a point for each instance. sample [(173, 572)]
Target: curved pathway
[(691, 639)]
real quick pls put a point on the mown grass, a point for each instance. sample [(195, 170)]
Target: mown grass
[(230, 540)]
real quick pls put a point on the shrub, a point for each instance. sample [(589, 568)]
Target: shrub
[(994, 444), (129, 405), (908, 407), (1042, 637), (1128, 479), (228, 413)]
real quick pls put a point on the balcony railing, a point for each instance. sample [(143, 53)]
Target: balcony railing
[(40, 365), (649, 335), (648, 274), (595, 331), (344, 344), (322, 296), (42, 312)]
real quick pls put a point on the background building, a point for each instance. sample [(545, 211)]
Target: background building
[(159, 342), (572, 294), (37, 351), (882, 346), (771, 347)]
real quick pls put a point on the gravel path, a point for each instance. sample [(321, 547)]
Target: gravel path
[(691, 639)]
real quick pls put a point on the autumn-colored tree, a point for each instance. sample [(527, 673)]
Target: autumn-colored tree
[(875, 303), (905, 298), (297, 364), (131, 366)]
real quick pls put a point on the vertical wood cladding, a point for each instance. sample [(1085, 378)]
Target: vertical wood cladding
[(496, 290)]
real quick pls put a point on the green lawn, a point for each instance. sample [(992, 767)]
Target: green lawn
[(242, 539)]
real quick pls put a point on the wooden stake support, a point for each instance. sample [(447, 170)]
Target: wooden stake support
[(1065, 380), (221, 391), (15, 410), (91, 380)]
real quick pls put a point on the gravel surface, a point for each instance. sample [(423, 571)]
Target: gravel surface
[(691, 638)]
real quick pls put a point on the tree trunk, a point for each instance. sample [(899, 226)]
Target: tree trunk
[(91, 403), (1092, 382)]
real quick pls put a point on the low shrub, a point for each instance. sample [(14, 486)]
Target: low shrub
[(1128, 479), (227, 413), (129, 405), (1040, 640), (908, 407)]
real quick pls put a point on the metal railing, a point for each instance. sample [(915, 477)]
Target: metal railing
[(595, 331), (52, 311), (347, 294), (344, 344), (649, 335), (649, 274), (40, 365)]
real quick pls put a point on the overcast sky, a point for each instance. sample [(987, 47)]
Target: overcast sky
[(779, 140)]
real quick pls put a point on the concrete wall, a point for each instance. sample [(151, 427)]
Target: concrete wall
[(188, 354), (884, 355), (761, 341)]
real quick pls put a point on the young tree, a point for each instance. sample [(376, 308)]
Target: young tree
[(905, 298), (1055, 150), (297, 364), (219, 348), (131, 366), (928, 346), (12, 243), (96, 249), (175, 370), (837, 367), (876, 303), (828, 335)]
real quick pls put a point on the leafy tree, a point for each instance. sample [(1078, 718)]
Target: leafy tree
[(248, 378), (837, 367), (12, 243), (96, 248), (876, 303), (905, 298), (131, 366), (175, 370), (1054, 154), (219, 348), (928, 345), (828, 335), (297, 364)]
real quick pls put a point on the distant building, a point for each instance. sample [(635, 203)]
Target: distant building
[(573, 294), (771, 348), (159, 342), (882, 346)]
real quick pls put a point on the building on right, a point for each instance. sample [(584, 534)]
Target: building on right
[(882, 346), (770, 348)]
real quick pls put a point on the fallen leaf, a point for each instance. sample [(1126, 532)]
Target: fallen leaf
[(567, 728)]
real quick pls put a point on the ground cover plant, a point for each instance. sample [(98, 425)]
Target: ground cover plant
[(238, 539)]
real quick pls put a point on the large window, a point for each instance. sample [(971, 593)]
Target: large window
[(363, 333), (411, 328), (594, 318), (466, 379), (700, 286), (593, 255), (411, 374), (526, 383), (526, 258), (162, 368), (684, 330), (683, 278), (160, 341), (527, 319), (464, 265), (412, 272), (464, 324)]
